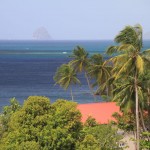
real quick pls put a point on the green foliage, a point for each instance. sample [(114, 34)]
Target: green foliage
[(89, 143), (80, 63), (128, 67), (125, 121), (65, 76), (80, 60), (43, 125), (90, 122), (100, 71), (145, 143), (7, 113), (66, 115), (67, 124), (39, 125), (29, 145), (14, 106), (124, 94), (100, 137), (146, 94), (27, 123), (131, 35)]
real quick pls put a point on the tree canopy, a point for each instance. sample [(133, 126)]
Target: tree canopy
[(40, 125)]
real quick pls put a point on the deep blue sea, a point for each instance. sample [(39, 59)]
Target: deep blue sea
[(27, 68)]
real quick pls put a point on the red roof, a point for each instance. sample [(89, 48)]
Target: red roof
[(102, 111)]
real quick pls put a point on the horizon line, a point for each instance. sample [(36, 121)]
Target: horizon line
[(54, 39), (61, 39)]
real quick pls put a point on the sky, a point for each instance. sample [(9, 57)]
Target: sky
[(72, 19)]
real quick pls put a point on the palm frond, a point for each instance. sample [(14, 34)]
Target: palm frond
[(140, 93), (65, 76), (124, 68), (111, 50), (96, 59), (140, 64), (130, 35), (146, 52), (125, 48)]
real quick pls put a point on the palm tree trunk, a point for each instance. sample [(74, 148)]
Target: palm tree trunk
[(71, 93), (143, 124), (134, 132), (137, 115), (89, 85)]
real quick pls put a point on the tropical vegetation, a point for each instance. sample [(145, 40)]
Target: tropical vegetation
[(66, 76), (129, 66), (41, 125), (123, 78)]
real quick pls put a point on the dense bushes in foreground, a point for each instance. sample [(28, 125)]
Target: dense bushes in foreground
[(40, 125)]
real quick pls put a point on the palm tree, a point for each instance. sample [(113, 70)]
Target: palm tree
[(65, 76), (100, 71), (80, 63), (130, 61), (124, 94)]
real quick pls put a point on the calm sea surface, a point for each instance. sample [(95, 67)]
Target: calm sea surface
[(27, 68)]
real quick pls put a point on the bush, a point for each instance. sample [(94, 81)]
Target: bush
[(39, 125), (43, 125)]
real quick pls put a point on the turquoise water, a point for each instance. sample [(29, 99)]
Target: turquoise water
[(27, 68)]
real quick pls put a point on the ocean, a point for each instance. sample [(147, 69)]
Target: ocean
[(27, 69)]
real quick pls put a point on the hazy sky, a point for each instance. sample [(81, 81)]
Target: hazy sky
[(71, 19)]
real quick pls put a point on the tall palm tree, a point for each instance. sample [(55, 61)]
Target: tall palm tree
[(130, 61), (124, 94), (65, 76), (80, 63), (100, 71)]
